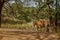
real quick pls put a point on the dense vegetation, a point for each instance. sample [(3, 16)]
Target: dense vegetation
[(17, 14)]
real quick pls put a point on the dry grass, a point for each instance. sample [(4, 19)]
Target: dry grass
[(17, 26), (27, 27)]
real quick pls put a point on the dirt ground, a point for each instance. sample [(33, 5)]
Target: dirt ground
[(15, 34)]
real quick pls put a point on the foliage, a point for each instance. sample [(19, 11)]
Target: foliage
[(17, 14)]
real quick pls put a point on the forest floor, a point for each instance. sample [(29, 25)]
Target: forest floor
[(16, 34)]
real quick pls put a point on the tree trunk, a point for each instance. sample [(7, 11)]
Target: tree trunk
[(1, 5), (56, 15)]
